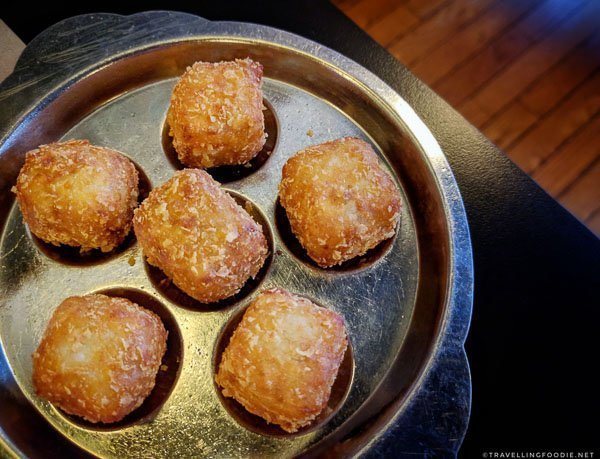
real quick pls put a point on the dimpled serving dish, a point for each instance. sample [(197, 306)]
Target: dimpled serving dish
[(406, 303)]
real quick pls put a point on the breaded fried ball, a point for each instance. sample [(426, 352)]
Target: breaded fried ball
[(199, 236), (283, 358), (339, 200), (77, 194), (99, 357), (216, 113)]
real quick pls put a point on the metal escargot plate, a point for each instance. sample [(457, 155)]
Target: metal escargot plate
[(406, 304)]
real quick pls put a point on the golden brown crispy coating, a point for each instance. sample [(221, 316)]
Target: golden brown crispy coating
[(78, 194), (339, 200), (283, 358), (199, 236), (99, 357), (216, 113)]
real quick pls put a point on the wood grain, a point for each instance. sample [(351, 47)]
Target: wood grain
[(365, 12), (565, 166), (435, 29), (544, 94), (397, 22), (470, 39), (526, 72), (460, 84), (530, 151), (593, 222), (564, 77), (583, 196), (519, 74), (424, 9), (509, 124)]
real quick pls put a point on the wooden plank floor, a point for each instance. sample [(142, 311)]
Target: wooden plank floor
[(525, 72)]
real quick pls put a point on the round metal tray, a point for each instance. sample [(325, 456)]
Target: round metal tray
[(407, 303)]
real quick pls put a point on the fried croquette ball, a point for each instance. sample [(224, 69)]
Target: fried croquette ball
[(216, 113), (99, 357), (283, 358), (339, 200), (77, 194), (199, 236)]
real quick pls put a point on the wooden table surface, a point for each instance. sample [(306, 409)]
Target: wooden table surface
[(526, 73)]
